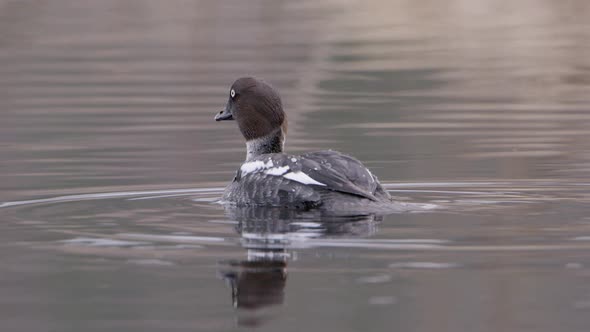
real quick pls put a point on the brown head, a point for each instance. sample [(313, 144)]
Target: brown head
[(257, 108)]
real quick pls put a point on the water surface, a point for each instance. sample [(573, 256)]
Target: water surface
[(475, 112)]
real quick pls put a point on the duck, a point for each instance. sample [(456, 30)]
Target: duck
[(326, 180)]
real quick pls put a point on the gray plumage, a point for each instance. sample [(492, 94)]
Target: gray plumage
[(346, 182)]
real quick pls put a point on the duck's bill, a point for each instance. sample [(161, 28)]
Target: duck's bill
[(223, 115)]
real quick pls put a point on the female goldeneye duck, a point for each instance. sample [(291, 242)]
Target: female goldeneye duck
[(327, 180)]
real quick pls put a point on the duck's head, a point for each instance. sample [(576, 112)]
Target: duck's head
[(256, 106), (258, 110)]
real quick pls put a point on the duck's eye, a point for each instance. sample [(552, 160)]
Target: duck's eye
[(232, 93)]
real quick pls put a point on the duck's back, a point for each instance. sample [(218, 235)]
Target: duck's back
[(322, 179)]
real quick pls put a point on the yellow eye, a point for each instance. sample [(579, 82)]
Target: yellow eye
[(232, 93)]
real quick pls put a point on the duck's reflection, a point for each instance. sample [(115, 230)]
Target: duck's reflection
[(257, 283), (271, 237)]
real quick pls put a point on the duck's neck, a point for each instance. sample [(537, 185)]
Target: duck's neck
[(271, 143)]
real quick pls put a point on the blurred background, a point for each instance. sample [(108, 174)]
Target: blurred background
[(489, 99), (122, 93)]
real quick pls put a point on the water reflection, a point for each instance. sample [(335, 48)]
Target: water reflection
[(271, 237), (257, 283)]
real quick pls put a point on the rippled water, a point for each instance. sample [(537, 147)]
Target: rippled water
[(474, 113)]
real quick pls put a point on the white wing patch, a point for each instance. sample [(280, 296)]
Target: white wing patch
[(255, 166), (371, 174), (302, 178), (277, 170), (269, 169)]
